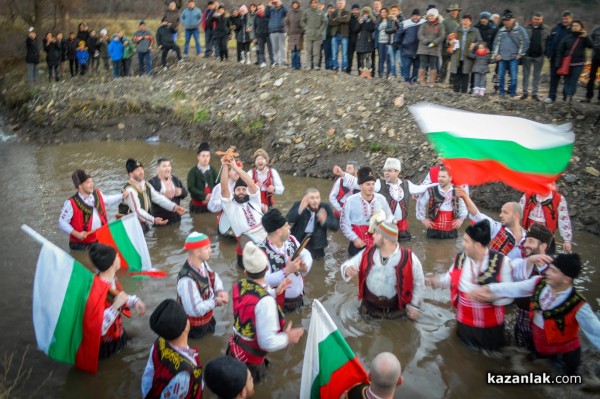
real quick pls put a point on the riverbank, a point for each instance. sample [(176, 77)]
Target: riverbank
[(307, 121)]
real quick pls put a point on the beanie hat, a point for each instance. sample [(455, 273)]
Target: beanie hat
[(104, 31), (132, 165), (168, 319), (102, 256), (480, 232), (355, 7), (261, 153), (142, 22), (541, 233), (254, 259), (79, 177), (203, 147), (388, 230), (434, 12), (243, 9), (568, 264), (225, 376), (415, 12), (392, 163), (273, 220), (485, 15), (196, 240), (365, 174)]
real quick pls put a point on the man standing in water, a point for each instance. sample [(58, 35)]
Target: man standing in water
[(201, 180), (170, 186), (266, 178), (85, 211)]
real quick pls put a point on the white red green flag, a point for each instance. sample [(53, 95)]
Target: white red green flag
[(127, 237), (479, 148), (68, 308), (330, 367)]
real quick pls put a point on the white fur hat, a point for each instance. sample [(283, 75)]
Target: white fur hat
[(254, 259), (392, 163)]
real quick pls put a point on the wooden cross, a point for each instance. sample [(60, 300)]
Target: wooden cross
[(229, 155)]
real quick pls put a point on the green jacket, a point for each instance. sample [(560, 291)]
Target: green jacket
[(128, 49), (197, 182)]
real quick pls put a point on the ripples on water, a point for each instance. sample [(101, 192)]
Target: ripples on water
[(38, 182)]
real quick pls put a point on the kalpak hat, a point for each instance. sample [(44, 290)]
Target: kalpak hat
[(480, 232), (102, 256), (168, 319)]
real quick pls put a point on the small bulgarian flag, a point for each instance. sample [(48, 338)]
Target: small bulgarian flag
[(68, 308), (479, 148), (127, 237), (330, 367)]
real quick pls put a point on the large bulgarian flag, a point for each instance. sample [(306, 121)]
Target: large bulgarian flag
[(127, 237), (479, 148), (68, 308), (330, 367)]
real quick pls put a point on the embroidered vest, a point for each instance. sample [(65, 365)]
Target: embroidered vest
[(168, 363), (115, 331), (549, 207), (343, 191), (83, 214), (490, 276), (144, 196), (404, 275), (560, 324), (503, 242), (265, 197), (436, 199), (245, 297), (276, 259), (404, 202), (204, 285)]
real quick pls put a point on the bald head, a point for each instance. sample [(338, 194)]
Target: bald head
[(385, 373), (510, 214)]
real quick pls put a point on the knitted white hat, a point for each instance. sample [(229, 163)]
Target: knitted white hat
[(254, 259)]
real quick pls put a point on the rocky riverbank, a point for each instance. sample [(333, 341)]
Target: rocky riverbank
[(307, 121)]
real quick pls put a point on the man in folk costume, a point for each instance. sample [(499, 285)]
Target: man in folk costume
[(142, 196), (440, 209), (114, 337), (280, 247), (358, 210), (170, 186), (557, 310), (199, 288), (397, 193), (228, 378), (201, 180), (480, 325), (551, 211), (242, 206), (432, 175), (390, 277), (258, 320), (537, 242), (340, 192), (508, 237), (173, 369), (85, 211), (266, 178), (215, 205), (311, 216)]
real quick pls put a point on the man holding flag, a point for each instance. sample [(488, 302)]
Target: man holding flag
[(85, 211)]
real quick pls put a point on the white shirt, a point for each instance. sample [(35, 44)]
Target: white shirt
[(423, 204), (587, 319), (296, 288), (381, 280), (537, 214), (110, 313), (262, 176), (66, 215), (179, 385), (236, 215), (495, 227), (188, 292), (133, 202), (333, 194), (358, 211), (214, 203)]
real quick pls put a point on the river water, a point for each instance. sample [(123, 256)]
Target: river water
[(36, 181)]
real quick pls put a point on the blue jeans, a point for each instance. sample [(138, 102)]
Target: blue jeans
[(571, 79), (385, 58), (336, 42), (145, 62), (503, 66), (396, 62), (327, 53), (296, 63), (208, 43), (188, 34), (116, 68), (409, 75)]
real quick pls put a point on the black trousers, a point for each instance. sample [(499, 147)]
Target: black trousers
[(351, 52), (165, 52), (590, 86), (460, 80)]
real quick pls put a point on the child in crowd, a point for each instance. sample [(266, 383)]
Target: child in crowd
[(481, 55), (128, 53), (83, 57)]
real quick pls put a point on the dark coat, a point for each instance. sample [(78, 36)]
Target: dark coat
[(566, 45), (276, 18), (299, 222), (196, 181), (33, 51), (294, 30), (473, 37), (53, 53), (364, 41), (261, 26), (164, 36), (220, 24), (488, 33), (156, 210), (71, 49), (595, 37), (408, 37), (556, 36)]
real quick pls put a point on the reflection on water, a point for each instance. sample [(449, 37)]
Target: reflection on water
[(35, 183)]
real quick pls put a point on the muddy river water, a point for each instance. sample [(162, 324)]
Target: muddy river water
[(35, 181)]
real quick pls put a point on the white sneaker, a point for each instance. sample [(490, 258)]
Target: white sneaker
[(165, 69), (548, 100), (263, 65)]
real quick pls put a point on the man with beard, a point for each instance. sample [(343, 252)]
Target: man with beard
[(340, 192), (201, 180), (169, 186), (266, 178), (242, 207), (311, 216), (507, 236), (85, 211), (280, 247), (390, 278), (215, 205), (358, 210), (440, 209), (142, 196)]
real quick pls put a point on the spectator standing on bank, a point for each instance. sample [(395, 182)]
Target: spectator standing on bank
[(32, 56), (191, 18), (276, 12), (595, 37), (510, 45), (313, 24), (538, 34), (115, 49), (143, 40), (172, 17), (575, 44), (431, 37), (53, 56), (558, 33), (295, 33)]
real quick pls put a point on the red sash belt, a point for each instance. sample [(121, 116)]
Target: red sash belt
[(402, 225), (202, 320), (444, 221), (362, 233)]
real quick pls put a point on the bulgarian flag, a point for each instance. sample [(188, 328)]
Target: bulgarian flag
[(480, 148), (68, 308), (330, 367), (127, 237)]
